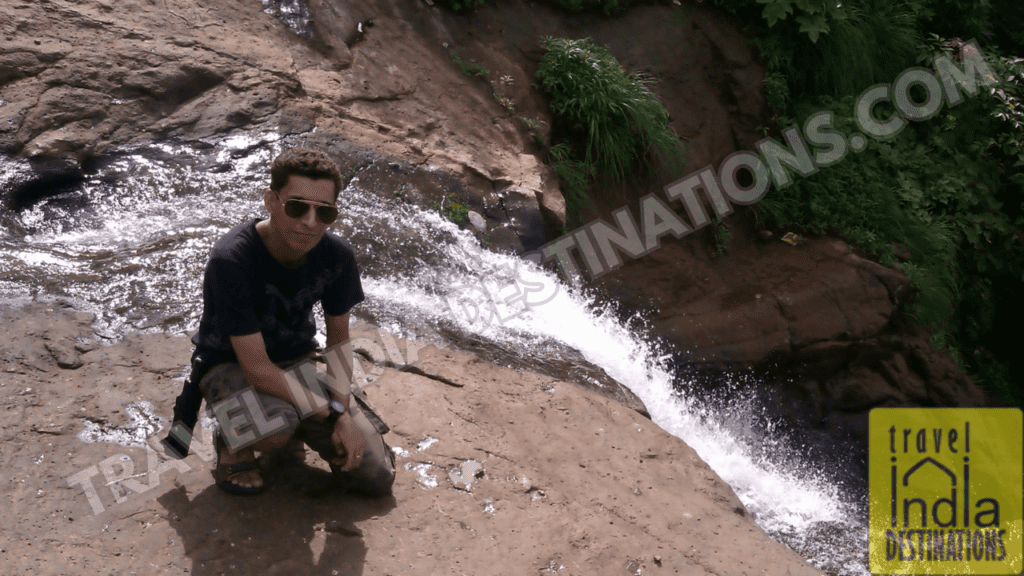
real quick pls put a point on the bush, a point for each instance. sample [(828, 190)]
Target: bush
[(611, 116), (453, 210)]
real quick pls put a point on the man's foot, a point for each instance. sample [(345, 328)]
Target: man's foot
[(237, 473)]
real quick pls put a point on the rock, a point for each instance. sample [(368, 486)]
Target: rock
[(861, 390), (174, 83), (477, 221), (66, 357)]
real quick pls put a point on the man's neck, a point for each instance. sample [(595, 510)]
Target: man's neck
[(277, 249)]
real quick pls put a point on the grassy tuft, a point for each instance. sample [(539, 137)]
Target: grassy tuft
[(612, 116)]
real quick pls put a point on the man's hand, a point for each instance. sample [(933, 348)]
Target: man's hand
[(348, 442)]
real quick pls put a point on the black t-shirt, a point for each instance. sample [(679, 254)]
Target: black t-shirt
[(246, 291)]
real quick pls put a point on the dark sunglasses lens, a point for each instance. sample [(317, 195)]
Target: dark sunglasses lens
[(296, 209), (326, 214)]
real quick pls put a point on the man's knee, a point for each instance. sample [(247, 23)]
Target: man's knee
[(374, 478), (378, 483)]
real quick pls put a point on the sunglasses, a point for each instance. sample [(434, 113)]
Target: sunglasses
[(298, 208)]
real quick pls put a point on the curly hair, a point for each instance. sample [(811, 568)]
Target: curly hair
[(303, 162)]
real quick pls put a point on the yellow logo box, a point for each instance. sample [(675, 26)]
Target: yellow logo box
[(945, 489)]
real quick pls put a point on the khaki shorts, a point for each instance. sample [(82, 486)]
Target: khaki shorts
[(376, 472)]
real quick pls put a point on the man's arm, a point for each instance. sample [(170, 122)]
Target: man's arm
[(259, 371), (346, 434), (337, 333)]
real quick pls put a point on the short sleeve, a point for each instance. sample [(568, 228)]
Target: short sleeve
[(347, 290)]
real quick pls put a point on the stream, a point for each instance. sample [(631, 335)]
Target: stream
[(128, 242)]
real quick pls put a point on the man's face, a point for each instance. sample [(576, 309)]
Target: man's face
[(303, 233)]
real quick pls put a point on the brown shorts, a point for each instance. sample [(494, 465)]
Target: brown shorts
[(376, 472)]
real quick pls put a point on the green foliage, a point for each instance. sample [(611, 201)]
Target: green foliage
[(452, 209), (813, 16), (874, 45), (611, 115), (835, 51), (574, 175), (720, 236), (470, 68), (1007, 107), (505, 103), (461, 5), (535, 128)]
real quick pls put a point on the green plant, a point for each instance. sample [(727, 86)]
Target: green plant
[(535, 128), (574, 175), (720, 235), (452, 209), (612, 116), (1007, 107), (505, 103), (469, 68)]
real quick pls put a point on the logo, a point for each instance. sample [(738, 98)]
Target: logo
[(945, 489)]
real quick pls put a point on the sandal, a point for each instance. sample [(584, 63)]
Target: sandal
[(225, 471)]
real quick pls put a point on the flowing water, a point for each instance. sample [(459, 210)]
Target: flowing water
[(128, 243)]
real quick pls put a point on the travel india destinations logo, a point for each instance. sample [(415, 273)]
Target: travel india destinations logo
[(945, 490)]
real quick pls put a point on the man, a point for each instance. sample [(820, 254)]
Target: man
[(259, 288)]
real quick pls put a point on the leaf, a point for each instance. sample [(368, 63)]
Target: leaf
[(776, 11), (813, 26)]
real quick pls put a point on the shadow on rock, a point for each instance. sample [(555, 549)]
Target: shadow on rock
[(296, 526)]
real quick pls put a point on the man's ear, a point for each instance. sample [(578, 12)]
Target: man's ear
[(268, 198)]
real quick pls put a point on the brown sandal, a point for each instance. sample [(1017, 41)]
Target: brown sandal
[(225, 471)]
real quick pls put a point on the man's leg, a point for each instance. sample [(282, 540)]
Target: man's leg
[(224, 380), (376, 472)]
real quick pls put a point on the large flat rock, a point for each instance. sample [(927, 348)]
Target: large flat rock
[(499, 472)]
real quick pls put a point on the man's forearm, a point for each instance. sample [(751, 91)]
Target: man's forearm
[(268, 379), (339, 370), (339, 358)]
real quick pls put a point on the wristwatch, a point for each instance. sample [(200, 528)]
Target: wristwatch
[(337, 408)]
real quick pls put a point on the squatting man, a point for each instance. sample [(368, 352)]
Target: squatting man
[(259, 288)]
